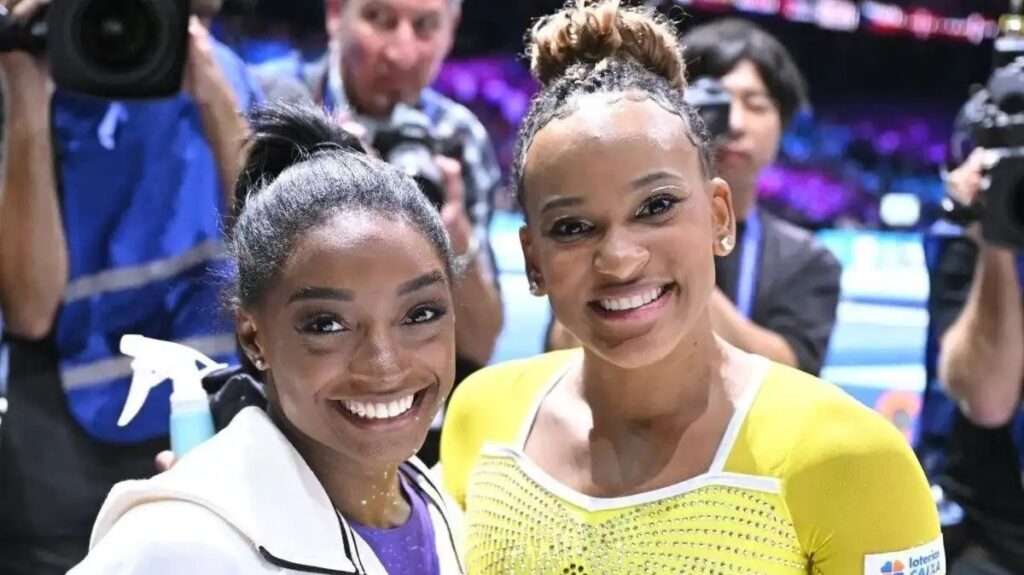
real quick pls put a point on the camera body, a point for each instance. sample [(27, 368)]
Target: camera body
[(999, 129), (713, 102), (993, 119), (410, 142), (116, 49)]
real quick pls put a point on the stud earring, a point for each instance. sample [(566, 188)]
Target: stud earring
[(535, 288), (259, 363), (727, 243)]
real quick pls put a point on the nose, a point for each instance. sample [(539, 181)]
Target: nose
[(620, 257), (401, 48), (377, 362), (737, 118)]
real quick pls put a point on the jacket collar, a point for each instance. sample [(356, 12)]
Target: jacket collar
[(250, 475)]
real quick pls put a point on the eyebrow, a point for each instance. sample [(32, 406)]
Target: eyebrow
[(754, 93), (313, 292), (654, 178), (426, 280), (637, 184), (413, 285), (560, 202)]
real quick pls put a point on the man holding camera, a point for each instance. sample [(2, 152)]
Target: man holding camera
[(977, 308), (110, 224), (778, 290)]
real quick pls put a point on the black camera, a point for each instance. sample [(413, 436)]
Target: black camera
[(409, 142), (713, 102), (993, 119), (117, 49)]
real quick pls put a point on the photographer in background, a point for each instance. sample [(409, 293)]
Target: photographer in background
[(109, 224), (977, 308), (778, 290)]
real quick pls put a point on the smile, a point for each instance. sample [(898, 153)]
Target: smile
[(634, 309), (633, 302), (379, 410), (381, 415)]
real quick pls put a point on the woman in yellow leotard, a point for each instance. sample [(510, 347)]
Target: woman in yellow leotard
[(657, 447)]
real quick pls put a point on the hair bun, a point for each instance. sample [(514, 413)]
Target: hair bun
[(284, 134), (586, 33)]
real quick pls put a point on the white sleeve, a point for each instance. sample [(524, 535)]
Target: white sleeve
[(171, 538)]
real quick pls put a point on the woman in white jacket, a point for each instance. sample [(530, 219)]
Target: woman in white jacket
[(344, 301)]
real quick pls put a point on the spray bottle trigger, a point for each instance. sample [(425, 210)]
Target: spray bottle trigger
[(143, 381)]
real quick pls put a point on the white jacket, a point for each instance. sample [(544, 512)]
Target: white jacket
[(244, 502)]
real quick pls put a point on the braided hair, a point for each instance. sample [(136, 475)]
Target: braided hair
[(601, 47)]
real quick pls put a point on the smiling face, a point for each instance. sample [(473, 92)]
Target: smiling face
[(623, 226), (359, 338)]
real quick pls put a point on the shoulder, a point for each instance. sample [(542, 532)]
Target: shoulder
[(453, 116), (228, 59), (516, 383), (169, 536), (816, 423), (799, 246), (238, 75), (849, 477), (490, 406), (798, 421)]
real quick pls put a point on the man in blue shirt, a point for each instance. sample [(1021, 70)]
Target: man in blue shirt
[(109, 224)]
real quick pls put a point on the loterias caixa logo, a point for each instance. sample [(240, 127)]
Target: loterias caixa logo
[(929, 559)]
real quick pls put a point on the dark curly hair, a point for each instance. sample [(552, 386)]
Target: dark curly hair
[(602, 47)]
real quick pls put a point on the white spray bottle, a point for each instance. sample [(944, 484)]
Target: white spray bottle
[(157, 361)]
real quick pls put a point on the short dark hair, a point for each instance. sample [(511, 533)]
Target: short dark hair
[(302, 169), (604, 48), (716, 48)]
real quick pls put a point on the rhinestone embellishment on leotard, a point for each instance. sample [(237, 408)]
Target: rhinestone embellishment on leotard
[(516, 526)]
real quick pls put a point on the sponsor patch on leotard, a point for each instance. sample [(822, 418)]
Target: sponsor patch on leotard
[(927, 559)]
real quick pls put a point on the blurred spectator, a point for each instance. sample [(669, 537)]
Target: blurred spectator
[(976, 308), (778, 290), (282, 41), (110, 224)]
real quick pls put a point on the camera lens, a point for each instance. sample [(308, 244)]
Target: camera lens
[(118, 35)]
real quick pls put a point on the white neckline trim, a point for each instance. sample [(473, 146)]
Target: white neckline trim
[(595, 504), (713, 476), (739, 417), (527, 426)]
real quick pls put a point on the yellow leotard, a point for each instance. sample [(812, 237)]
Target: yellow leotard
[(807, 480)]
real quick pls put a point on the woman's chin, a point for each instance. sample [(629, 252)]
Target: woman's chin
[(633, 354)]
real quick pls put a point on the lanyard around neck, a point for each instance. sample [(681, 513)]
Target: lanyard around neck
[(750, 255)]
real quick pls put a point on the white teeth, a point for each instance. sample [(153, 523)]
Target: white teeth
[(379, 410), (628, 303)]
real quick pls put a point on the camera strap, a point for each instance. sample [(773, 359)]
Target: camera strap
[(750, 254)]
